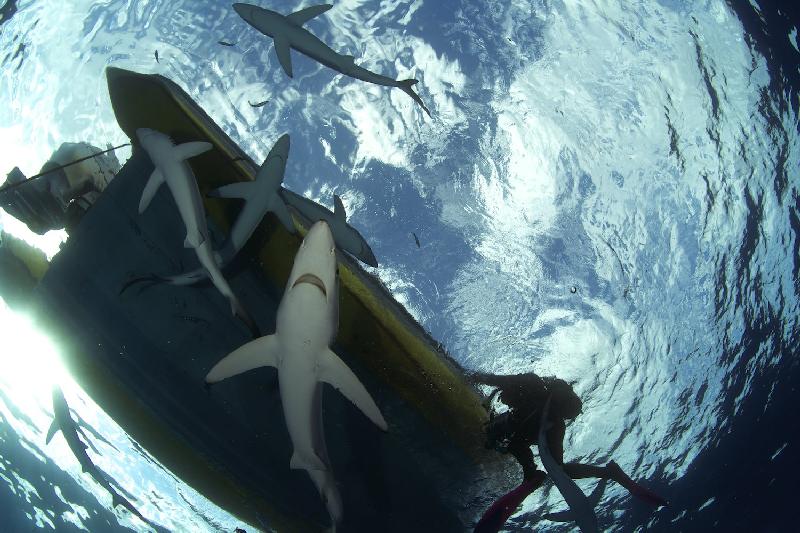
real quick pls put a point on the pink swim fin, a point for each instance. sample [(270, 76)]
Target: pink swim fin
[(495, 517)]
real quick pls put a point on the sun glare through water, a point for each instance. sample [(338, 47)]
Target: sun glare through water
[(31, 362)]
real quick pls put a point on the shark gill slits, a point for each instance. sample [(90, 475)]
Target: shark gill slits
[(312, 280)]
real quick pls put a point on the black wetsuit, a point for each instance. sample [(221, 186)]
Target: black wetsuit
[(525, 396)]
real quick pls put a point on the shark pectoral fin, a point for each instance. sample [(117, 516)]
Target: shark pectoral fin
[(338, 208), (155, 181), (306, 461), (333, 371), (191, 149), (304, 15), (52, 431), (284, 57), (561, 516), (278, 206), (240, 189), (264, 351)]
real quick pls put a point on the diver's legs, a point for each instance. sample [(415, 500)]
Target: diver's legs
[(524, 456), (613, 471)]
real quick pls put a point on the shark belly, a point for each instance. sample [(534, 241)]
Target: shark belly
[(304, 328), (182, 185)]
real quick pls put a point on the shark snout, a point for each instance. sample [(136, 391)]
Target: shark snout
[(280, 149), (244, 10), (143, 133)]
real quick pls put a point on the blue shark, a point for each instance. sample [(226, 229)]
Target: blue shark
[(346, 236), (287, 32), (306, 324), (63, 421)]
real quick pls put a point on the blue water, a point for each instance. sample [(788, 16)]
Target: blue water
[(644, 153)]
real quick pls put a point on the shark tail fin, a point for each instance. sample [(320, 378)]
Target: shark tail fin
[(407, 86)]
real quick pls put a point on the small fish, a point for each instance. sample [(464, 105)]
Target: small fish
[(416, 240), (157, 61), (259, 104), (226, 43)]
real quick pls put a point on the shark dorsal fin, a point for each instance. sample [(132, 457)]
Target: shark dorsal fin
[(304, 15), (338, 209)]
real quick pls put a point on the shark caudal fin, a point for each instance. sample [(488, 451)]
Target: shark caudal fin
[(264, 351), (407, 86), (333, 371)]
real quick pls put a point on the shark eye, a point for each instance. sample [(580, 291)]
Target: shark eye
[(332, 250)]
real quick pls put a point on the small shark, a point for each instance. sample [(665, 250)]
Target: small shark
[(346, 236), (307, 322), (287, 32), (63, 421), (257, 104), (226, 43), (156, 54), (171, 167), (581, 509), (260, 196), (416, 239)]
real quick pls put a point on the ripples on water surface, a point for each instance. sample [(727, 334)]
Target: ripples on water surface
[(644, 153)]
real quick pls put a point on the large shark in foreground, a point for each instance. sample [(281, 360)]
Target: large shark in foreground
[(287, 32), (346, 236), (581, 509), (306, 324), (171, 168), (63, 421)]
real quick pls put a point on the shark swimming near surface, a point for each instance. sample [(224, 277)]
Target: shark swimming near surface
[(171, 168), (72, 431), (306, 324), (346, 236), (260, 196), (581, 509), (287, 32)]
